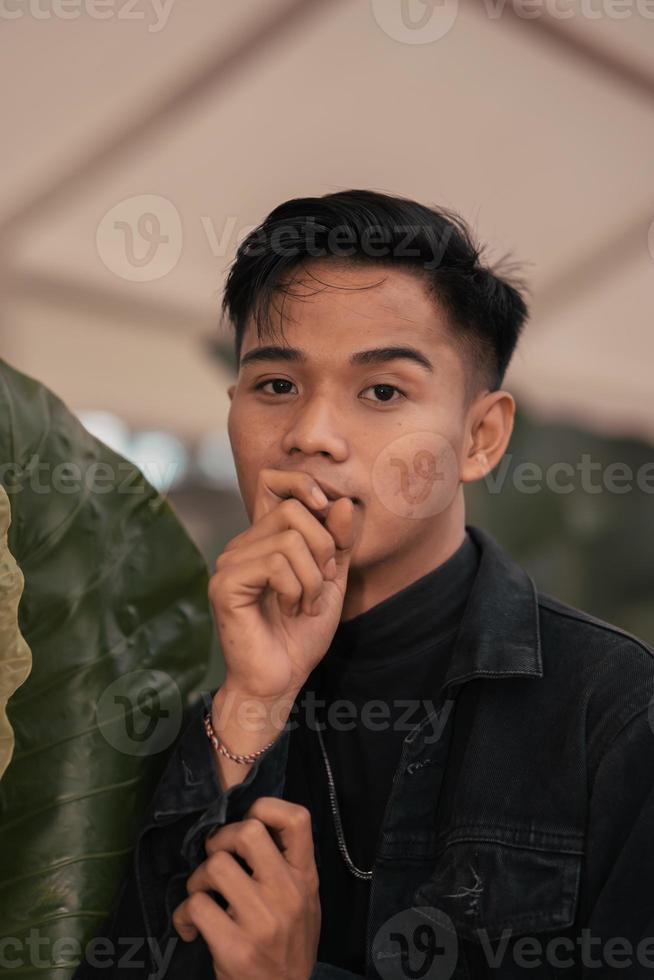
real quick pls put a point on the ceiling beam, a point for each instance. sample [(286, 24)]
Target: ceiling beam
[(216, 71), (615, 66)]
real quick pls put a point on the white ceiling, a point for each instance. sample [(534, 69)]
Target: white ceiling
[(539, 131)]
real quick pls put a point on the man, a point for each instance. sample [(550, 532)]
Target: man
[(417, 765)]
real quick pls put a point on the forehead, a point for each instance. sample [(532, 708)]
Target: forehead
[(328, 304)]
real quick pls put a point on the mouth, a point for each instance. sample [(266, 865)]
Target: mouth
[(333, 494)]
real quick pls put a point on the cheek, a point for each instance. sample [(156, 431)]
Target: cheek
[(414, 476), (246, 453), (246, 434)]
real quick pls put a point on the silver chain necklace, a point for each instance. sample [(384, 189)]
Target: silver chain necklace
[(340, 837)]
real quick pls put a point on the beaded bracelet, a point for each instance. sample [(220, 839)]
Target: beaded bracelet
[(213, 738)]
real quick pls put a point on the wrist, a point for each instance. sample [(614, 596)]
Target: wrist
[(220, 747), (246, 720)]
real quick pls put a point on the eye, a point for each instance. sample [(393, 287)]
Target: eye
[(386, 388), (272, 381)]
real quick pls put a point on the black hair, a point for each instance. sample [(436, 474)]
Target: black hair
[(484, 309)]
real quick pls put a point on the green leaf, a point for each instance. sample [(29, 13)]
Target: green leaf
[(116, 614), (15, 655)]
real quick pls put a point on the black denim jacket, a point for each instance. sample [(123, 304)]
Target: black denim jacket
[(518, 839)]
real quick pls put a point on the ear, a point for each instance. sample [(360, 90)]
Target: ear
[(490, 423), (230, 391)]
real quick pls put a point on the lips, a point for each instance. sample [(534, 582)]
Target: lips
[(332, 493)]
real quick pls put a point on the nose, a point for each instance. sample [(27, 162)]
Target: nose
[(316, 428)]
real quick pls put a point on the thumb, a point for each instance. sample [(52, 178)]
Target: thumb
[(344, 524)]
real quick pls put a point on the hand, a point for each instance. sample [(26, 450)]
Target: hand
[(275, 601), (271, 926)]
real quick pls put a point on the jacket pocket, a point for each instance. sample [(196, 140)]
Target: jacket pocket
[(487, 887)]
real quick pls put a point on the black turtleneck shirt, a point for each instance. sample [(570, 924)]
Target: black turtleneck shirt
[(394, 652)]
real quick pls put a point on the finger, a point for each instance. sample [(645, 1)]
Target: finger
[(291, 544), (273, 486), (291, 513), (222, 873), (273, 571), (344, 522), (251, 840), (292, 824), (199, 913)]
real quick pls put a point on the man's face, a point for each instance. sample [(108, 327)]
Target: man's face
[(389, 433)]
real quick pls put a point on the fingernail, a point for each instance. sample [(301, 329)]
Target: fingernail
[(330, 568), (320, 496)]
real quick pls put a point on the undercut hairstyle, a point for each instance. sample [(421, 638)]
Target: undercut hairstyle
[(483, 306)]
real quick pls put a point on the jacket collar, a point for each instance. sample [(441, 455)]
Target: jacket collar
[(499, 634)]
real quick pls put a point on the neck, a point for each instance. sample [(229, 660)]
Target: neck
[(366, 587)]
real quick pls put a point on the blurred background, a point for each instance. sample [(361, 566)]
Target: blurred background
[(144, 139)]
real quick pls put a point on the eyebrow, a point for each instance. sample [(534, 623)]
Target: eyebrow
[(375, 355)]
